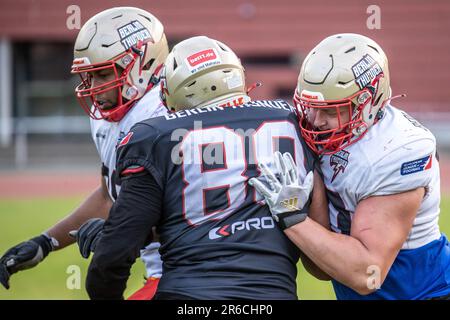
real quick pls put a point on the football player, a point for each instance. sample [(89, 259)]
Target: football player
[(187, 173), (381, 171), (119, 54)]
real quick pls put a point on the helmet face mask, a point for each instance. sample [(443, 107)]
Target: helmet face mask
[(130, 44), (346, 116), (87, 93), (347, 74)]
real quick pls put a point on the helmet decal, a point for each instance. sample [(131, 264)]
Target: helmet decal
[(203, 59), (133, 32), (365, 70)]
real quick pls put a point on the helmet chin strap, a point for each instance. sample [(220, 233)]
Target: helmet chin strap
[(333, 145), (380, 113), (153, 81), (155, 78), (394, 97), (253, 86), (360, 129), (363, 127)]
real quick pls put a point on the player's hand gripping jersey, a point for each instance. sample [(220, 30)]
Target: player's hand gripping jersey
[(213, 227), (106, 136), (396, 155)]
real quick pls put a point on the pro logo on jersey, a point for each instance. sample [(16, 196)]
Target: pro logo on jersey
[(339, 162), (247, 225), (418, 165)]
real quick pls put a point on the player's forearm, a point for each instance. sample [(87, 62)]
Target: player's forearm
[(313, 269), (127, 230), (318, 211), (96, 205), (342, 257)]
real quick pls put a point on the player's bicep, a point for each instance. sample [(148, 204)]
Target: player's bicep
[(127, 230), (138, 207), (382, 224), (136, 154)]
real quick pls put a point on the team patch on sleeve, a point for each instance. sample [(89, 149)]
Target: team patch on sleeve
[(124, 141), (416, 165)]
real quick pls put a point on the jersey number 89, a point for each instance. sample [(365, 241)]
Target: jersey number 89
[(215, 162)]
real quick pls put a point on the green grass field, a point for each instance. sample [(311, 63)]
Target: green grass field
[(20, 220)]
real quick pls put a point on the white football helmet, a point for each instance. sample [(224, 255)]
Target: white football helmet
[(344, 70), (128, 37), (201, 71)]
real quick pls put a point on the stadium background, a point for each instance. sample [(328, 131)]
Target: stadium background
[(48, 162)]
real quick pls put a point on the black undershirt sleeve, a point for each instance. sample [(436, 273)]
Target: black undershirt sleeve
[(127, 230)]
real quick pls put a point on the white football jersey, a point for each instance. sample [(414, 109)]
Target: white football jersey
[(396, 155), (107, 135)]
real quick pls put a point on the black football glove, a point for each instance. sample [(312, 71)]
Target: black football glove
[(23, 256), (88, 235)]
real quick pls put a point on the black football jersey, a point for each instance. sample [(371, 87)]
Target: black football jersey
[(218, 239)]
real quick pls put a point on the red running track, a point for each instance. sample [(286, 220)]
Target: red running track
[(19, 185)]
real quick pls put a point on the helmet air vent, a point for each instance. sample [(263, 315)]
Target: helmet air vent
[(378, 99), (344, 83), (145, 17), (104, 45), (373, 48), (350, 50), (90, 40), (148, 64), (221, 47)]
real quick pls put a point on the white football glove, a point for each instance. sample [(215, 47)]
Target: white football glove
[(285, 196)]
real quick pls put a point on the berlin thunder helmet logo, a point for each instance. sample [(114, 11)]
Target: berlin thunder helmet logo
[(365, 70), (133, 32)]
